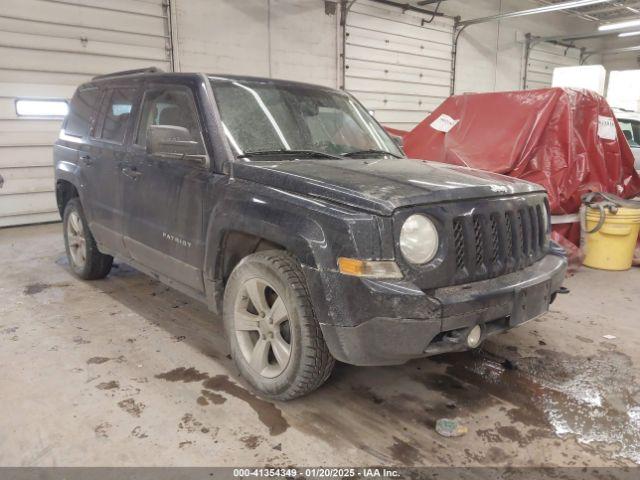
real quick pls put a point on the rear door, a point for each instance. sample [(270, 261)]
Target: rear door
[(164, 194), (101, 164), (74, 140)]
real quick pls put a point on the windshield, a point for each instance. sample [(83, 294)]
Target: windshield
[(261, 116), (631, 130)]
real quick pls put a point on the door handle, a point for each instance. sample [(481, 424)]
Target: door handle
[(86, 160), (131, 172)]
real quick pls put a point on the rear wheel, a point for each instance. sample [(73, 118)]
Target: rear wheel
[(85, 259), (275, 339)]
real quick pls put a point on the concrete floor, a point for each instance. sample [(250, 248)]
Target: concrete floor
[(126, 371)]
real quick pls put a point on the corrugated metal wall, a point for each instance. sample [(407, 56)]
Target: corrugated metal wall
[(48, 47), (543, 58), (395, 65)]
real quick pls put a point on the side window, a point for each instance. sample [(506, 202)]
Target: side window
[(116, 115), (171, 106), (81, 111)]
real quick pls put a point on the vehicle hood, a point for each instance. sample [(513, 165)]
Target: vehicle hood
[(381, 185)]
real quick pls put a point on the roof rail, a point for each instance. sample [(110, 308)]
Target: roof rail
[(128, 72)]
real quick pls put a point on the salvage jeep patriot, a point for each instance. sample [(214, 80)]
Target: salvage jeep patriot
[(288, 209)]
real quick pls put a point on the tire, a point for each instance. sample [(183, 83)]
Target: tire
[(259, 334), (85, 260)]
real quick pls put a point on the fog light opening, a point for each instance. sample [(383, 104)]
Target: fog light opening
[(474, 337)]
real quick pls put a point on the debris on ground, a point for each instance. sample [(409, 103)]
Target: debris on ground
[(448, 427), (609, 337)]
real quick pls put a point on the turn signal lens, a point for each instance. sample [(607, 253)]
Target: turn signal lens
[(369, 268)]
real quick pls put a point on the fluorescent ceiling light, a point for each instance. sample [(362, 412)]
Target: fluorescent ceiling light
[(41, 108), (619, 25), (629, 34)]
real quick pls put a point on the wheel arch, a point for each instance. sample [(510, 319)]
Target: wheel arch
[(248, 217), (65, 191)]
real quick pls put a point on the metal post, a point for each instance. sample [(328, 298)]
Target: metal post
[(345, 6), (527, 50), (172, 34), (457, 30)]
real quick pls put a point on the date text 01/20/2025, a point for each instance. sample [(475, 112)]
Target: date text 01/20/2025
[(317, 472)]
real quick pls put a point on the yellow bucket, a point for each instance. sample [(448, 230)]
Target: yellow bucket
[(611, 247)]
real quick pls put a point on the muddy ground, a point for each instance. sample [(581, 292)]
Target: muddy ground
[(126, 371)]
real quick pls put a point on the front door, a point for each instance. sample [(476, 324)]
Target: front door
[(100, 166), (164, 193)]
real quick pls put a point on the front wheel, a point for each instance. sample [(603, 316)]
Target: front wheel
[(85, 259), (275, 339)]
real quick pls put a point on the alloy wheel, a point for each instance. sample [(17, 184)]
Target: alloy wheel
[(263, 328), (76, 240)]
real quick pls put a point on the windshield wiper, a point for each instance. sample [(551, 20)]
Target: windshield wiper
[(369, 152), (305, 153)]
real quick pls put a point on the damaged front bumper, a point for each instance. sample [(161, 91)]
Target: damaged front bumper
[(367, 322)]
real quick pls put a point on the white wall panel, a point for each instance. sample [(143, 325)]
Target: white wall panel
[(396, 65), (25, 157), (490, 55), (290, 39), (544, 58), (47, 48)]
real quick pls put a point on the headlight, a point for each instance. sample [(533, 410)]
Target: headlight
[(418, 239)]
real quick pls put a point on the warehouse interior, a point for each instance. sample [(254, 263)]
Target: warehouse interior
[(126, 371)]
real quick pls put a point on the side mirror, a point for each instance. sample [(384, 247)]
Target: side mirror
[(174, 141)]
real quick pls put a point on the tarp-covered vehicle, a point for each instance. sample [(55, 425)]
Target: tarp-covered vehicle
[(566, 140)]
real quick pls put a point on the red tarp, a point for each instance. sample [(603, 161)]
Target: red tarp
[(553, 137)]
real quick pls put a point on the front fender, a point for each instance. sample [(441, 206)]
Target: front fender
[(315, 231)]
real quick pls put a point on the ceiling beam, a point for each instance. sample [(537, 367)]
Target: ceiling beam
[(575, 13), (408, 7), (616, 6), (613, 51), (553, 7), (577, 36)]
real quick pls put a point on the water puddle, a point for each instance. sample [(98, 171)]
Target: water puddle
[(596, 400)]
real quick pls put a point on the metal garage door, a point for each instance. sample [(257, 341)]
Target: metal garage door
[(48, 47), (543, 58), (395, 64)]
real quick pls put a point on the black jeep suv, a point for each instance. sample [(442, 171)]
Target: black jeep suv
[(290, 210)]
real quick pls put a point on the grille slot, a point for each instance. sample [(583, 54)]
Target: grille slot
[(541, 232), (458, 239), (495, 239), (509, 234), (535, 229), (521, 243), (493, 243), (479, 240)]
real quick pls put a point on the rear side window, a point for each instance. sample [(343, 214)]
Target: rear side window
[(116, 115), (81, 111)]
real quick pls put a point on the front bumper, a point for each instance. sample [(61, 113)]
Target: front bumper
[(367, 322)]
